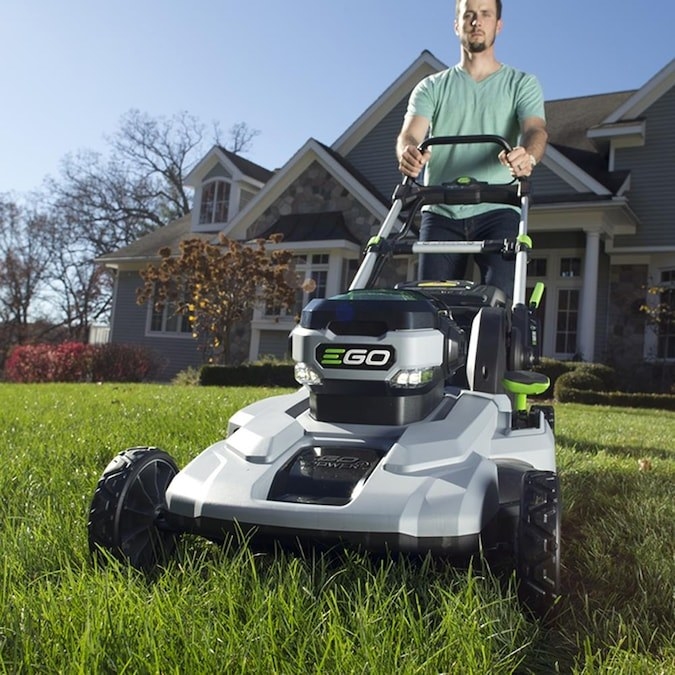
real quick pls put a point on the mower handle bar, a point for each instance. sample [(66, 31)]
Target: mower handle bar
[(367, 268), (458, 140)]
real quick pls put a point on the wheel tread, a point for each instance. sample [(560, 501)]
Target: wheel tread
[(108, 509)]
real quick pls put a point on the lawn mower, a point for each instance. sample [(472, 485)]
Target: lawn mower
[(411, 431)]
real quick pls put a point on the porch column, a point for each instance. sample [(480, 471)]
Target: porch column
[(589, 297)]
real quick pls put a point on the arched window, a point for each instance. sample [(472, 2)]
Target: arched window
[(215, 202)]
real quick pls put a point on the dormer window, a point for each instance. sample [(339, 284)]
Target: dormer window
[(215, 202)]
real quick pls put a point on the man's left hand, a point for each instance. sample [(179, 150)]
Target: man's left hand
[(519, 161)]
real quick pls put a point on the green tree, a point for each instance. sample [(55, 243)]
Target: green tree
[(216, 286)]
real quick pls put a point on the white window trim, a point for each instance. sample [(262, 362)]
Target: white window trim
[(162, 334), (232, 208), (554, 283), (261, 322)]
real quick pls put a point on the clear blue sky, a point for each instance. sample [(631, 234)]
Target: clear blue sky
[(69, 69)]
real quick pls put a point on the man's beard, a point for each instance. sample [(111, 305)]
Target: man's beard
[(477, 47)]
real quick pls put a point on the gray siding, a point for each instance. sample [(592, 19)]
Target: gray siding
[(375, 155), (128, 327), (218, 171), (245, 196), (652, 170), (547, 183)]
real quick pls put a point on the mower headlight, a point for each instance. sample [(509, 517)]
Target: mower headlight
[(410, 378), (306, 375)]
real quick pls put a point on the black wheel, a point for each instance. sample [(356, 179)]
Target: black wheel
[(126, 513), (538, 542)]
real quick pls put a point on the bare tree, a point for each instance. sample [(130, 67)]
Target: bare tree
[(140, 187), (241, 138), (161, 151), (24, 264), (81, 288), (101, 203)]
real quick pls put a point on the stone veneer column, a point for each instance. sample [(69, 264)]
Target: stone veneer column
[(589, 297)]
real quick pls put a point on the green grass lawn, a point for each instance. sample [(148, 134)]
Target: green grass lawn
[(232, 609)]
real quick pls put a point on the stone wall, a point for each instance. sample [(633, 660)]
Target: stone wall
[(626, 323), (316, 190)]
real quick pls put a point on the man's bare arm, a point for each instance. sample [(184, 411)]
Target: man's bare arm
[(535, 137), (410, 160), (533, 146)]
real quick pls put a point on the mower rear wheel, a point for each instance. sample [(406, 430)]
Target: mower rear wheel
[(538, 542), (126, 513)]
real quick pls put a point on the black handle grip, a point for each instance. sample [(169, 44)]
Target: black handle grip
[(458, 140)]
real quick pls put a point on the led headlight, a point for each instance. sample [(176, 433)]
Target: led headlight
[(306, 375), (411, 378)]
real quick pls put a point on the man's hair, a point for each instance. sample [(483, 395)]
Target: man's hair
[(499, 8)]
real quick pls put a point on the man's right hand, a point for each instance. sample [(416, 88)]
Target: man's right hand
[(412, 161)]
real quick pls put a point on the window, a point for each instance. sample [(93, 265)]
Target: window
[(537, 267), (167, 320), (568, 317), (570, 267), (666, 324), (311, 273), (215, 202)]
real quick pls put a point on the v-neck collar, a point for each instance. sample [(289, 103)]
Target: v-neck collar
[(462, 70)]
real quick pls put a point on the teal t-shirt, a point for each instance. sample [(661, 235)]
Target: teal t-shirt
[(456, 105)]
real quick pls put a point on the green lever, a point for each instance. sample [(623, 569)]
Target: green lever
[(537, 294), (524, 383)]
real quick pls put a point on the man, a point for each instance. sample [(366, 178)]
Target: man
[(480, 95)]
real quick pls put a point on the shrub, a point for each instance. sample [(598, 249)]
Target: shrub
[(113, 362), (604, 373), (65, 362), (248, 376), (578, 379), (78, 362), (554, 370), (187, 377), (618, 398)]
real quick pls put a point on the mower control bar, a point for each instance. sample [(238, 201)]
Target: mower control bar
[(409, 196)]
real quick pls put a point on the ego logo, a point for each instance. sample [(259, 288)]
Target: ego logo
[(355, 356)]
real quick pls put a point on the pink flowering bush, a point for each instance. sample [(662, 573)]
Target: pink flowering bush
[(78, 362)]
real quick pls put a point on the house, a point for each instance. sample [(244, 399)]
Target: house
[(602, 220)]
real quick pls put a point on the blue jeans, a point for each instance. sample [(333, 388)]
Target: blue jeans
[(494, 270)]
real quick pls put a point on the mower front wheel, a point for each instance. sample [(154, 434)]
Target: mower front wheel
[(126, 513), (538, 542)]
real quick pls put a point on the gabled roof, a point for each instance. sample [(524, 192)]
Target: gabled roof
[(148, 246), (312, 151), (348, 166), (568, 120), (239, 167), (425, 64), (653, 90), (247, 167)]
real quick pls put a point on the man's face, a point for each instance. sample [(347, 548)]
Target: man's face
[(477, 25)]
